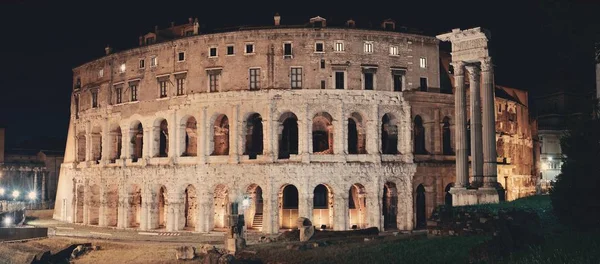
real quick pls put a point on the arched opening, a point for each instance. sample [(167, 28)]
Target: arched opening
[(446, 139), (112, 205), (136, 143), (389, 135), (96, 144), (162, 202), (254, 136), (221, 206), (288, 136), (135, 204), (357, 205), (191, 138), (322, 206), (419, 132), (163, 139), (191, 206), (81, 146), (356, 135), (254, 207), (421, 206), (390, 206), (322, 133), (448, 195), (79, 202), (94, 205), (115, 143), (221, 136), (288, 203)]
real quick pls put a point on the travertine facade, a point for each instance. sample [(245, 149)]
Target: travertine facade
[(309, 121)]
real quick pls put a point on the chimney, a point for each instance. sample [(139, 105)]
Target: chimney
[(107, 50), (196, 26), (350, 23), (1, 145), (156, 29), (141, 40), (172, 24), (190, 20), (277, 19)]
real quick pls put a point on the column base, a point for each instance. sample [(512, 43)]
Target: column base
[(463, 196)]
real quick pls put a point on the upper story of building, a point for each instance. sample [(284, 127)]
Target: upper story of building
[(181, 61)]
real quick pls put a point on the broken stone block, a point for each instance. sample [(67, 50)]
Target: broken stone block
[(204, 249), (306, 232), (184, 252), (303, 221)]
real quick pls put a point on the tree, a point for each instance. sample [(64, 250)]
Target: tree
[(576, 193)]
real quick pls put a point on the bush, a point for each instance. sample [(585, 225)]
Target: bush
[(576, 193)]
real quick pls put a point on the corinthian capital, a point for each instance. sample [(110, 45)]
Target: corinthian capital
[(486, 64), (473, 72), (458, 68)]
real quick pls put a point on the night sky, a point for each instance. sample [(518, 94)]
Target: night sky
[(539, 46)]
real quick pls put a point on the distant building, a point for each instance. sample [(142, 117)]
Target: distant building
[(23, 171)]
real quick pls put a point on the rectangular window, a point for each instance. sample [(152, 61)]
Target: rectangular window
[(77, 105), (213, 82), (119, 94), (397, 78), (101, 73), (296, 78), (339, 46), (163, 88), (394, 51), (368, 80), (134, 92), (322, 84), (150, 40), (142, 64), (94, 99), (423, 83), (339, 80), (212, 52), (423, 63), (189, 33), (254, 79), (368, 47), (319, 47), (322, 64), (287, 50), (181, 56), (153, 62), (180, 83), (230, 50), (249, 48)]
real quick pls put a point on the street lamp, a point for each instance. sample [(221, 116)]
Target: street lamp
[(16, 194), (8, 221), (32, 195), (2, 191)]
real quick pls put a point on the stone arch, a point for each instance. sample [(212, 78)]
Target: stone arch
[(79, 203), (254, 209), (96, 138), (356, 134), (421, 207), (220, 136), (189, 128), (323, 202), (446, 137), (136, 140), (390, 206), (419, 135), (357, 205), (160, 133), (322, 133), (288, 135), (288, 206), (135, 206), (221, 206), (81, 146), (115, 142), (112, 205), (253, 136), (94, 205), (448, 195), (162, 206), (389, 134), (191, 206)]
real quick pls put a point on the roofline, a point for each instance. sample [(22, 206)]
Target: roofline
[(259, 28)]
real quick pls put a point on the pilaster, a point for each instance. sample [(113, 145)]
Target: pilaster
[(490, 171), (476, 127)]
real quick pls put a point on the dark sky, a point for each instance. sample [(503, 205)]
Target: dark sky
[(537, 45)]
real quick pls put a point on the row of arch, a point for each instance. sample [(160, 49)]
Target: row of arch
[(322, 137), (323, 203)]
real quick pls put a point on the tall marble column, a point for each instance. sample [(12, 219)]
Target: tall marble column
[(462, 166), (489, 124), (476, 134)]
